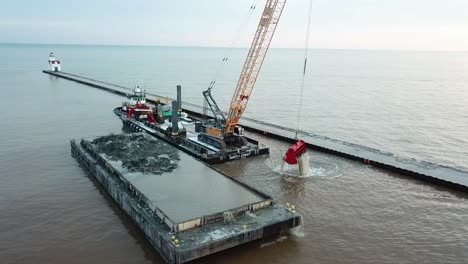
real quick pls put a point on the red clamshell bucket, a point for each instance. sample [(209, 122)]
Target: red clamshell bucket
[(295, 151)]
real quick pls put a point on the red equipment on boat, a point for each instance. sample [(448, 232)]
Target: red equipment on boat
[(295, 151), (141, 110)]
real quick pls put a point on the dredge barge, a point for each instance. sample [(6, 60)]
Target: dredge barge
[(186, 209), (168, 122), (219, 138)]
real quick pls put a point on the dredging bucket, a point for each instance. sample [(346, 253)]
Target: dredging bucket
[(295, 151)]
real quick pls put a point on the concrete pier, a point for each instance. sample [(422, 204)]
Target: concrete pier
[(425, 171)]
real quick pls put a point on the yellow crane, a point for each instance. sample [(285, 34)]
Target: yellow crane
[(222, 130)]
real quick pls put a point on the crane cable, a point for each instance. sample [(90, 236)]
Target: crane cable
[(306, 52), (233, 43)]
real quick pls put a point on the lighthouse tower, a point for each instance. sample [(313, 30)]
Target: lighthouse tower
[(54, 63)]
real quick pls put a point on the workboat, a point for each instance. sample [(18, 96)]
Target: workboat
[(137, 108)]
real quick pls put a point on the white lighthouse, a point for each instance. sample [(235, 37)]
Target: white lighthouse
[(54, 63)]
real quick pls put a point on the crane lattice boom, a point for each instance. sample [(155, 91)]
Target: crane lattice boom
[(253, 63)]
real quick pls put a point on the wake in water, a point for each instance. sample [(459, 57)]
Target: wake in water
[(301, 170), (302, 163), (307, 169), (298, 231)]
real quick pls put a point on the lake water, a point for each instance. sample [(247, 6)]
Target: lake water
[(413, 104)]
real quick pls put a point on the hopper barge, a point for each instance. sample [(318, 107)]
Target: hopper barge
[(185, 208)]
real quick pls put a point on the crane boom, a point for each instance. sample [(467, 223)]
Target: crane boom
[(253, 63)]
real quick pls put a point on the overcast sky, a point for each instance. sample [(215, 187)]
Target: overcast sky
[(343, 24)]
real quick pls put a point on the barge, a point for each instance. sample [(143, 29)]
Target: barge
[(185, 208), (167, 121)]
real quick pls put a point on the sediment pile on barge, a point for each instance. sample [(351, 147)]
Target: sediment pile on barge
[(185, 208)]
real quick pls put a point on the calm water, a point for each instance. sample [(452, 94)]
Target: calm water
[(414, 104)]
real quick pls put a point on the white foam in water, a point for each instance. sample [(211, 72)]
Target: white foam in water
[(298, 231), (303, 162), (321, 170), (277, 240)]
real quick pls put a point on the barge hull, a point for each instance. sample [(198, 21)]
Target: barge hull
[(126, 202)]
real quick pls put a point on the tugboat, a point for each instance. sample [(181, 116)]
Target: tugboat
[(137, 108)]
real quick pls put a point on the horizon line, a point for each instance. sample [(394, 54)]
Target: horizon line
[(222, 47)]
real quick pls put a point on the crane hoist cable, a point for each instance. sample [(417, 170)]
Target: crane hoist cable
[(306, 52), (223, 128), (245, 19)]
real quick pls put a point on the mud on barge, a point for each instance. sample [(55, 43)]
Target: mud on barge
[(186, 209)]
